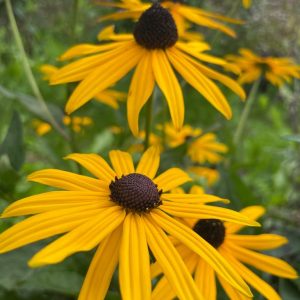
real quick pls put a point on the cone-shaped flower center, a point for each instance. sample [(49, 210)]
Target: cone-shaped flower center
[(156, 28), (212, 230), (135, 192)]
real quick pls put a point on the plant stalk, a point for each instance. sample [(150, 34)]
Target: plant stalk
[(148, 121)]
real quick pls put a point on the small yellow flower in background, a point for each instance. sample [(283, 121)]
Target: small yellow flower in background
[(237, 249), (41, 128), (206, 149), (121, 210), (247, 3), (152, 55), (211, 176), (154, 140), (175, 138), (277, 70), (182, 14)]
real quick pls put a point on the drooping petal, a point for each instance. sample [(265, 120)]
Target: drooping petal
[(141, 88), (170, 261), (122, 162), (102, 267), (44, 225), (168, 83), (134, 267), (149, 162), (257, 242), (171, 179), (200, 211), (260, 285), (197, 244), (67, 180), (52, 201), (193, 198), (94, 164), (263, 262), (84, 238), (206, 280)]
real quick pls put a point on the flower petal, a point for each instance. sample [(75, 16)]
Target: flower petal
[(231, 292), (170, 261), (94, 164), (171, 179), (141, 88), (67, 180), (197, 244), (102, 267), (168, 83), (149, 162), (83, 238), (192, 198), (134, 267), (122, 162), (55, 201)]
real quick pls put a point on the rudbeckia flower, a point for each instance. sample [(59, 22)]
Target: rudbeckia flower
[(152, 50), (237, 249), (122, 210), (183, 14), (277, 70), (206, 149), (211, 176)]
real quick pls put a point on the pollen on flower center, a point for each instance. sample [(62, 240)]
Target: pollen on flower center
[(156, 28), (212, 230), (135, 192)]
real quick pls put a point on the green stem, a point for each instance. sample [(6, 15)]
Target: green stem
[(246, 111), (148, 121), (74, 18), (28, 71)]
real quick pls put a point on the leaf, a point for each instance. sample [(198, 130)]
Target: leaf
[(13, 144), (292, 138)]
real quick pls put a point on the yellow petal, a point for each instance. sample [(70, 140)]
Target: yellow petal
[(168, 83), (134, 267), (67, 180), (197, 244), (43, 226), (84, 238), (193, 198), (149, 162), (102, 267), (257, 242), (94, 164), (171, 179), (252, 212), (198, 211), (205, 280), (264, 262), (170, 261), (122, 162), (55, 201), (141, 88)]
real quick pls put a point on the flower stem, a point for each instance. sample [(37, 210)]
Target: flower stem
[(246, 111), (148, 121), (28, 71), (74, 18)]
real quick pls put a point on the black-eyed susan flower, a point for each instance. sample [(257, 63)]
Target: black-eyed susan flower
[(152, 50), (122, 211), (206, 148), (210, 175), (237, 249), (182, 13), (277, 70)]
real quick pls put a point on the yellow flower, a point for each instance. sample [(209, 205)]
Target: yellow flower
[(152, 55), (277, 70), (154, 140), (182, 14), (122, 210), (247, 3), (175, 138), (211, 176), (237, 250), (206, 149), (41, 128)]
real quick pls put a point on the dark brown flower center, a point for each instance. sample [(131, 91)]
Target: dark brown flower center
[(156, 28), (135, 192), (212, 230)]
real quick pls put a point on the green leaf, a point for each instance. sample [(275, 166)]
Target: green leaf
[(289, 290), (292, 138), (13, 144)]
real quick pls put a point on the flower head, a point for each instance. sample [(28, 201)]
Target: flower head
[(109, 62), (277, 70), (237, 249), (122, 211)]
